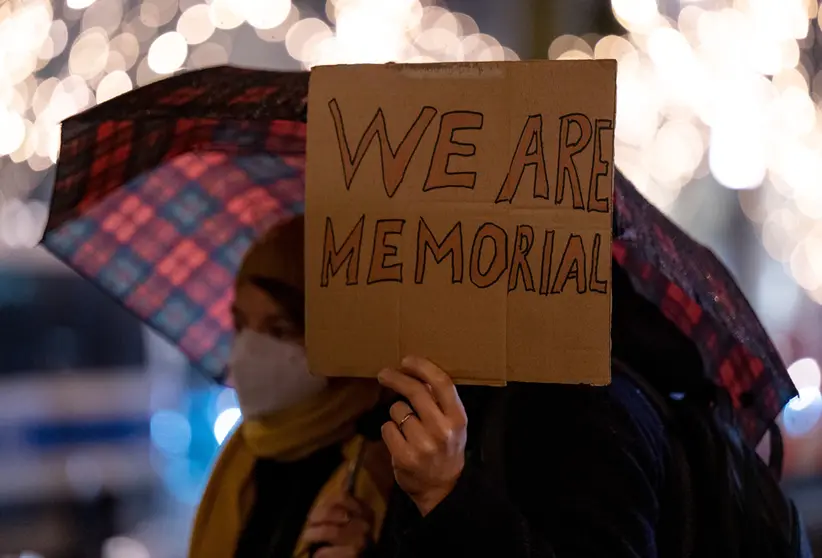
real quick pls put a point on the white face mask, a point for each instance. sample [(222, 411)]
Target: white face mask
[(270, 374)]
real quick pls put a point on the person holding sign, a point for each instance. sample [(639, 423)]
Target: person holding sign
[(527, 470), (467, 212), (458, 474)]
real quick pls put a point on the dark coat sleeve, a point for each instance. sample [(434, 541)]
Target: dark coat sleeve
[(584, 468)]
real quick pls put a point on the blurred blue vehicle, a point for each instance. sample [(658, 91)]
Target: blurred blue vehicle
[(80, 379)]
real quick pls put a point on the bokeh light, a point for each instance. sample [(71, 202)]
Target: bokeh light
[(225, 423), (167, 53), (124, 547), (804, 411), (170, 432), (805, 373)]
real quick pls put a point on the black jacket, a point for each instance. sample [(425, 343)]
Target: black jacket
[(584, 469)]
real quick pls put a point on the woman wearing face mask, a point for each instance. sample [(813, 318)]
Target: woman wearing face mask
[(296, 478)]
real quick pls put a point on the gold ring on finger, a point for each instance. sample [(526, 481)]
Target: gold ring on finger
[(405, 419)]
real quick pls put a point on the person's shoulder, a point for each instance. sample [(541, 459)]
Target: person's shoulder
[(615, 428), (623, 395), (620, 410)]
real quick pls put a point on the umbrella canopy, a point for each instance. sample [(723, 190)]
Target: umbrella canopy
[(159, 192)]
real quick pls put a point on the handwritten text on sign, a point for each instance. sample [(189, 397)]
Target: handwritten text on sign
[(578, 263), (463, 212)]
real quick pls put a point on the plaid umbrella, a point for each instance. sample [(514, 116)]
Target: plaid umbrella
[(160, 191)]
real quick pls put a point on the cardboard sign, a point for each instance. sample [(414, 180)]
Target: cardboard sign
[(461, 212)]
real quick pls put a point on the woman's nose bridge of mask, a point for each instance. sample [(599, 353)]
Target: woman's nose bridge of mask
[(253, 344)]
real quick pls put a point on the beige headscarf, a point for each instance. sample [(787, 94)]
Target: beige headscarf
[(293, 434)]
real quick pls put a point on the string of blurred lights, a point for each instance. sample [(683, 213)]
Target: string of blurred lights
[(723, 90), (720, 90), (715, 89), (118, 48)]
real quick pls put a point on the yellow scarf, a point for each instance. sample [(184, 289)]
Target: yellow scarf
[(291, 435)]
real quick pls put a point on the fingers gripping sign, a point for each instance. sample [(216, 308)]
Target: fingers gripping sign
[(426, 438)]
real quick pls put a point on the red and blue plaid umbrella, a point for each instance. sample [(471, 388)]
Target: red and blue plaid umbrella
[(160, 191)]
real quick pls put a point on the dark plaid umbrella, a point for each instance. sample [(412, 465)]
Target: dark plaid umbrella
[(159, 192)]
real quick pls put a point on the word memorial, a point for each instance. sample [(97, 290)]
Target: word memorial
[(461, 212)]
